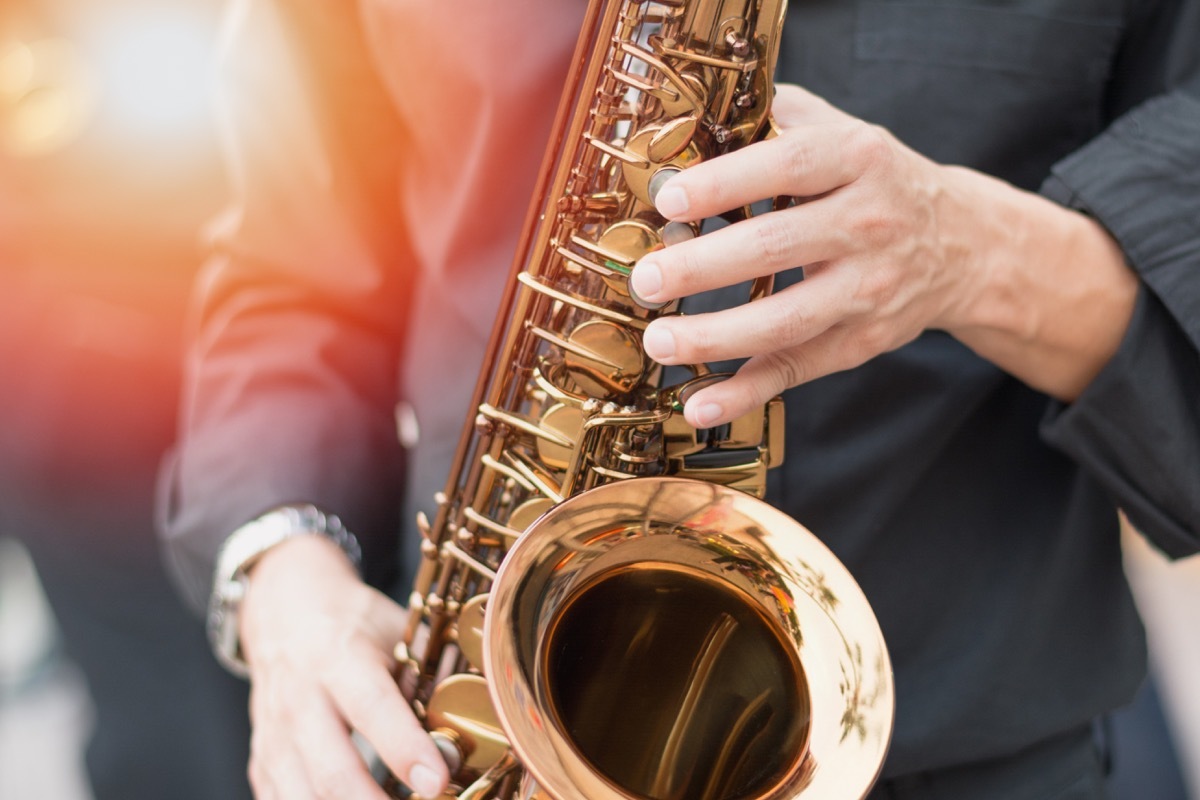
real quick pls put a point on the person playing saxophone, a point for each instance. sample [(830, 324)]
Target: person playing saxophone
[(984, 326)]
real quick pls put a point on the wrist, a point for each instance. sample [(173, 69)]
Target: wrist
[(1052, 295), (249, 547), (990, 219)]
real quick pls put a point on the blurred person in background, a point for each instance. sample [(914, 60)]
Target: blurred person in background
[(104, 182), (383, 153)]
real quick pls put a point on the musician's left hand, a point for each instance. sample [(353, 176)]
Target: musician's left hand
[(892, 244)]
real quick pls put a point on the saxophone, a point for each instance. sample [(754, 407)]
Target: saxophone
[(605, 608)]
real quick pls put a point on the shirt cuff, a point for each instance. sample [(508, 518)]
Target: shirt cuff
[(1136, 430), (1139, 180)]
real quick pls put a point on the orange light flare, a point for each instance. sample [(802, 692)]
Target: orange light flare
[(133, 73), (153, 67), (109, 170), (107, 136)]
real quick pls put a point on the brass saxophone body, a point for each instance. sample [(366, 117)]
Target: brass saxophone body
[(604, 608)]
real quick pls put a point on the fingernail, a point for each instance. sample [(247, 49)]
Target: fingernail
[(671, 202), (646, 280), (708, 413), (658, 342), (424, 781)]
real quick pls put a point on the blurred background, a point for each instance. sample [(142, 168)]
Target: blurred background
[(109, 171)]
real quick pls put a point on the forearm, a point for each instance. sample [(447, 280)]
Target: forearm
[(1051, 295)]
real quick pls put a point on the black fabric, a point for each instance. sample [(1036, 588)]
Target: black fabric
[(168, 720), (1068, 766), (979, 516), (89, 338)]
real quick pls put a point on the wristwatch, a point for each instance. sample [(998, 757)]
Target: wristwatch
[(244, 547)]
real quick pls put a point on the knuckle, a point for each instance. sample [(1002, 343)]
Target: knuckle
[(874, 338), (796, 157), (717, 187), (871, 142), (869, 146), (695, 342), (365, 697), (683, 273), (793, 325), (330, 671), (330, 780), (876, 288), (870, 225), (783, 371), (280, 704), (681, 268), (774, 240)]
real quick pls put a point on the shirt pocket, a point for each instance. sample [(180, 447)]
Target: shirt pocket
[(1006, 88)]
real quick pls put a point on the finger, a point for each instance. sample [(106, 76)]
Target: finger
[(286, 778), (275, 769), (791, 317), (335, 769), (365, 692), (768, 375), (280, 706), (302, 745), (762, 245), (385, 620), (803, 161), (794, 105)]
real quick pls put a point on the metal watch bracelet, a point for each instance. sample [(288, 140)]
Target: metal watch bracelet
[(244, 547)]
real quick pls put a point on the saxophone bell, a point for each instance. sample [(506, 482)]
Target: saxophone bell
[(673, 639)]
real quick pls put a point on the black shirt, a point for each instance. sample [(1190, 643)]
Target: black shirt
[(978, 515)]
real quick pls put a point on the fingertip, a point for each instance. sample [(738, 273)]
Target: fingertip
[(415, 761), (422, 766), (701, 412), (646, 280), (428, 781), (659, 343), (672, 201)]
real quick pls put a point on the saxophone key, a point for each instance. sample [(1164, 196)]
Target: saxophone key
[(462, 709)]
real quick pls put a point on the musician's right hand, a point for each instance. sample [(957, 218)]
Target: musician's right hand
[(319, 645)]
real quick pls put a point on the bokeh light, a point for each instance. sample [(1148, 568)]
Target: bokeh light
[(134, 73), (153, 68), (46, 96)]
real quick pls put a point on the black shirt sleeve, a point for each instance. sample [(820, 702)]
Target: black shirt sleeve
[(291, 370), (1137, 427)]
